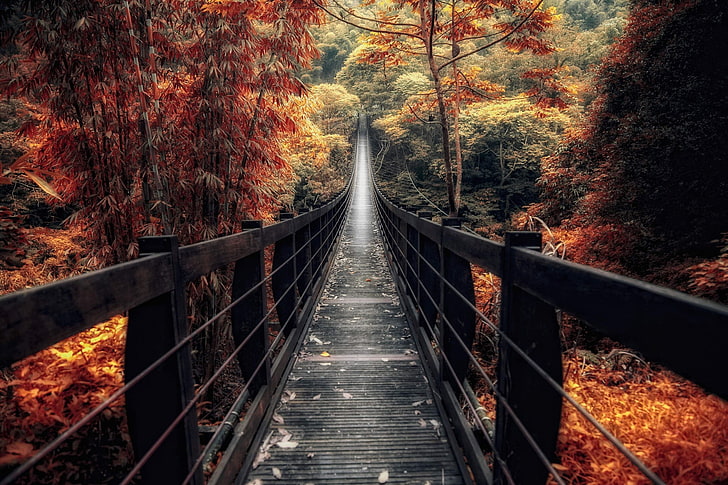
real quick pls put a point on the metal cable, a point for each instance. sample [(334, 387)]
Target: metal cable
[(45, 451), (609, 436)]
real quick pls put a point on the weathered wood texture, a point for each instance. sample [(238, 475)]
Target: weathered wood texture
[(155, 402), (530, 324), (365, 405), (152, 291), (248, 318), (33, 319), (680, 331)]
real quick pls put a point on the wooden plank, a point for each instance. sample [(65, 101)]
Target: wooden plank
[(464, 433), (685, 333), (479, 251), (246, 315), (245, 431), (158, 399), (33, 319), (359, 408), (303, 262), (204, 257), (460, 316), (531, 325), (275, 232), (283, 281)]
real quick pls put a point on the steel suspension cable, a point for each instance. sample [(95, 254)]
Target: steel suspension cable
[(542, 373)]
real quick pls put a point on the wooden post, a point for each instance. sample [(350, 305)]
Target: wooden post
[(412, 269), (316, 249), (303, 261), (325, 234), (402, 247), (155, 327), (246, 315), (429, 285), (531, 324), (284, 280), (456, 271)]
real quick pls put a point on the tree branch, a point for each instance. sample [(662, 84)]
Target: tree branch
[(368, 29), (497, 41), (427, 122)]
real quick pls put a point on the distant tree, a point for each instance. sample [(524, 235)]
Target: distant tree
[(441, 34), (337, 108), (505, 141), (372, 83)]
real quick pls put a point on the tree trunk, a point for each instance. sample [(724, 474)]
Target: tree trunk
[(427, 20), (456, 139)]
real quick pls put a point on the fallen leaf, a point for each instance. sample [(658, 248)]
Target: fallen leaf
[(325, 363), (278, 418), (257, 481), (384, 477), (346, 395), (418, 403), (277, 473), (284, 432), (310, 455), (287, 444), (423, 423), (317, 397), (260, 458), (325, 354), (20, 448)]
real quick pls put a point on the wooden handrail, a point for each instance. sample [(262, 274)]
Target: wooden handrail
[(36, 318), (680, 331), (152, 290)]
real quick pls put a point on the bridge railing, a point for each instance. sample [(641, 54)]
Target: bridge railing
[(432, 265), (160, 394)]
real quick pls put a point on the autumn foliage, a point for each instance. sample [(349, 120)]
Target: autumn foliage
[(175, 126), (671, 424), (51, 390)]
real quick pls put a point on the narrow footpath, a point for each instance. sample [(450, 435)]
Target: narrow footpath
[(357, 407)]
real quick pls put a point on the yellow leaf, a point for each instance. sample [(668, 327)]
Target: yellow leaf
[(45, 186), (20, 448), (325, 354)]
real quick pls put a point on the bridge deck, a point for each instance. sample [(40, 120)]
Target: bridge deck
[(357, 407)]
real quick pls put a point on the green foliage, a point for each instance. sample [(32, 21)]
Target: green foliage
[(504, 143), (335, 41), (372, 83), (336, 108)]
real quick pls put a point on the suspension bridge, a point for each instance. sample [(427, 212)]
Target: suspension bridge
[(354, 345)]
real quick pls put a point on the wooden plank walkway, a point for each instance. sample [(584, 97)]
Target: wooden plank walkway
[(357, 407)]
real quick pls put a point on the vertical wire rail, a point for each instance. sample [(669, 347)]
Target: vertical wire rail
[(22, 469), (646, 471)]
